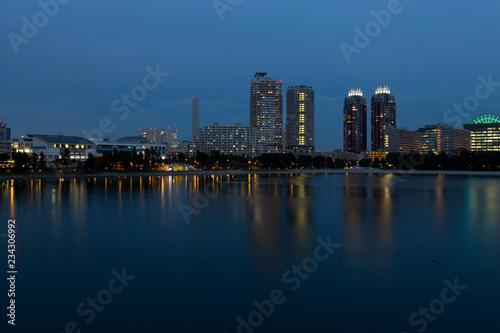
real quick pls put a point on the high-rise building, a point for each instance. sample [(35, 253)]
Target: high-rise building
[(195, 117), (4, 131), (485, 133), (355, 122), (445, 138), (266, 111), (4, 137), (401, 140), (164, 135), (299, 130), (383, 115), (237, 139)]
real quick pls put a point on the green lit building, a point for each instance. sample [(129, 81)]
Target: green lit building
[(485, 132)]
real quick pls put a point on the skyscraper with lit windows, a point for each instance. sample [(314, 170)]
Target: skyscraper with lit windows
[(299, 130), (383, 115), (355, 122), (266, 111)]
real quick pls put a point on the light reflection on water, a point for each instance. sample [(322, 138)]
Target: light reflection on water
[(250, 229), (268, 201)]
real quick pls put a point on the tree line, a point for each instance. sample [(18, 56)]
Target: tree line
[(152, 160)]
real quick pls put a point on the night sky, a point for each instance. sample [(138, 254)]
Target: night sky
[(65, 77)]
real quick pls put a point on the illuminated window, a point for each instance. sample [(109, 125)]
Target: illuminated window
[(302, 129), (302, 118), (302, 107), (302, 140), (302, 96)]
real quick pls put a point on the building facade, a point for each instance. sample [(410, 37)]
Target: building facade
[(373, 155), (299, 130), (54, 146), (164, 135), (266, 111), (485, 133), (4, 134), (402, 140), (4, 137), (138, 144), (237, 140), (445, 138), (22, 145), (355, 133), (383, 115)]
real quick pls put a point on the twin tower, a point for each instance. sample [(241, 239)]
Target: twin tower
[(383, 115)]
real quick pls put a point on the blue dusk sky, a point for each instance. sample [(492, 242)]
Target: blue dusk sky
[(65, 68)]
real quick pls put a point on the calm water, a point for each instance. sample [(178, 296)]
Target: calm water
[(200, 271)]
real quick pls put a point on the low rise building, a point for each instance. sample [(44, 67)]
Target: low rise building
[(485, 133), (22, 145), (237, 140), (55, 146), (445, 138), (402, 140), (164, 135), (130, 144), (374, 155)]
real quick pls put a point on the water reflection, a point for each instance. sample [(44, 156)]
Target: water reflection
[(251, 230), (270, 206)]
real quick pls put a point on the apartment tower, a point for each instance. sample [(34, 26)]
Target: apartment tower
[(266, 111), (383, 115), (299, 131), (355, 122)]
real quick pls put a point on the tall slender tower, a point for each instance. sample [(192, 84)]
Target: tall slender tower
[(266, 111), (195, 116), (299, 134), (355, 122), (383, 116)]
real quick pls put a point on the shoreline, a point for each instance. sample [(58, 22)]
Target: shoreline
[(354, 171)]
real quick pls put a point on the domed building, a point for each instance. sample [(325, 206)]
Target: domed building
[(485, 132)]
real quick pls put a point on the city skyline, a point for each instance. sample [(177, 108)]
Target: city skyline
[(59, 81), (381, 102), (250, 166)]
